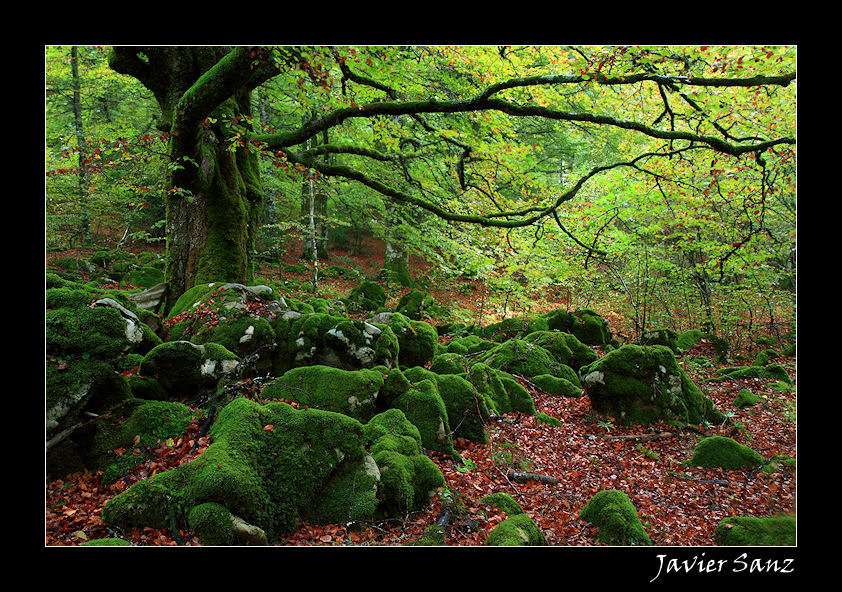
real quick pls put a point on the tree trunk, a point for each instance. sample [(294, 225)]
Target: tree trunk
[(214, 194), (79, 128)]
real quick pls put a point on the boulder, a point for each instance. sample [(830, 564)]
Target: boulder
[(564, 347), (515, 531), (319, 338), (586, 324), (269, 466), (185, 369), (750, 531), (641, 385), (351, 392), (723, 452), (613, 512)]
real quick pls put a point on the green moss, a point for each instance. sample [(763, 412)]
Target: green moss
[(302, 464), (543, 418), (503, 501), (613, 512), (719, 451), (433, 536), (467, 409), (417, 340), (211, 522), (687, 339), (85, 385), (367, 296), (587, 325), (513, 328), (145, 387), (745, 398), (353, 393), (414, 303), (424, 408), (143, 423), (518, 530), (770, 371), (391, 430), (641, 385), (517, 356), (564, 347), (106, 542), (557, 386), (192, 297), (470, 344), (145, 277), (186, 369), (665, 337), (744, 531), (448, 363)]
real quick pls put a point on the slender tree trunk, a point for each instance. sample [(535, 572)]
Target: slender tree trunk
[(314, 216), (79, 128)]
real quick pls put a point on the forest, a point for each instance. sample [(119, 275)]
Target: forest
[(424, 295)]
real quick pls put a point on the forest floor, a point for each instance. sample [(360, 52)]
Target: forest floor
[(678, 505)]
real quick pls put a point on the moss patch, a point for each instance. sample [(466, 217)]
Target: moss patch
[(613, 512), (743, 531), (719, 451)]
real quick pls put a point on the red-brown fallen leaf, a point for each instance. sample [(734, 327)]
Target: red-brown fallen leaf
[(269, 428)]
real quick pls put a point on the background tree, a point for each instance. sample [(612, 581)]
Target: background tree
[(445, 129)]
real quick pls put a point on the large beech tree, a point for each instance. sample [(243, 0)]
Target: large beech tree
[(431, 128)]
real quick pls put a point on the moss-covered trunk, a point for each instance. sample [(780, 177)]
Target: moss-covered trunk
[(212, 214), (214, 196)]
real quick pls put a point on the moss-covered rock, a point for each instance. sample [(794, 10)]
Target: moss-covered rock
[(564, 347), (641, 385), (503, 393), (448, 363), (433, 536), (557, 386), (329, 340), (745, 531), (106, 542), (467, 409), (136, 423), (517, 356), (770, 372), (351, 392), (687, 339), (145, 276), (102, 328), (75, 389), (745, 398), (514, 531), (417, 340), (469, 344), (614, 514), (267, 464), (367, 296), (425, 409), (503, 501), (543, 418), (665, 337), (512, 328), (414, 303), (185, 369), (586, 324), (408, 479), (723, 452)]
